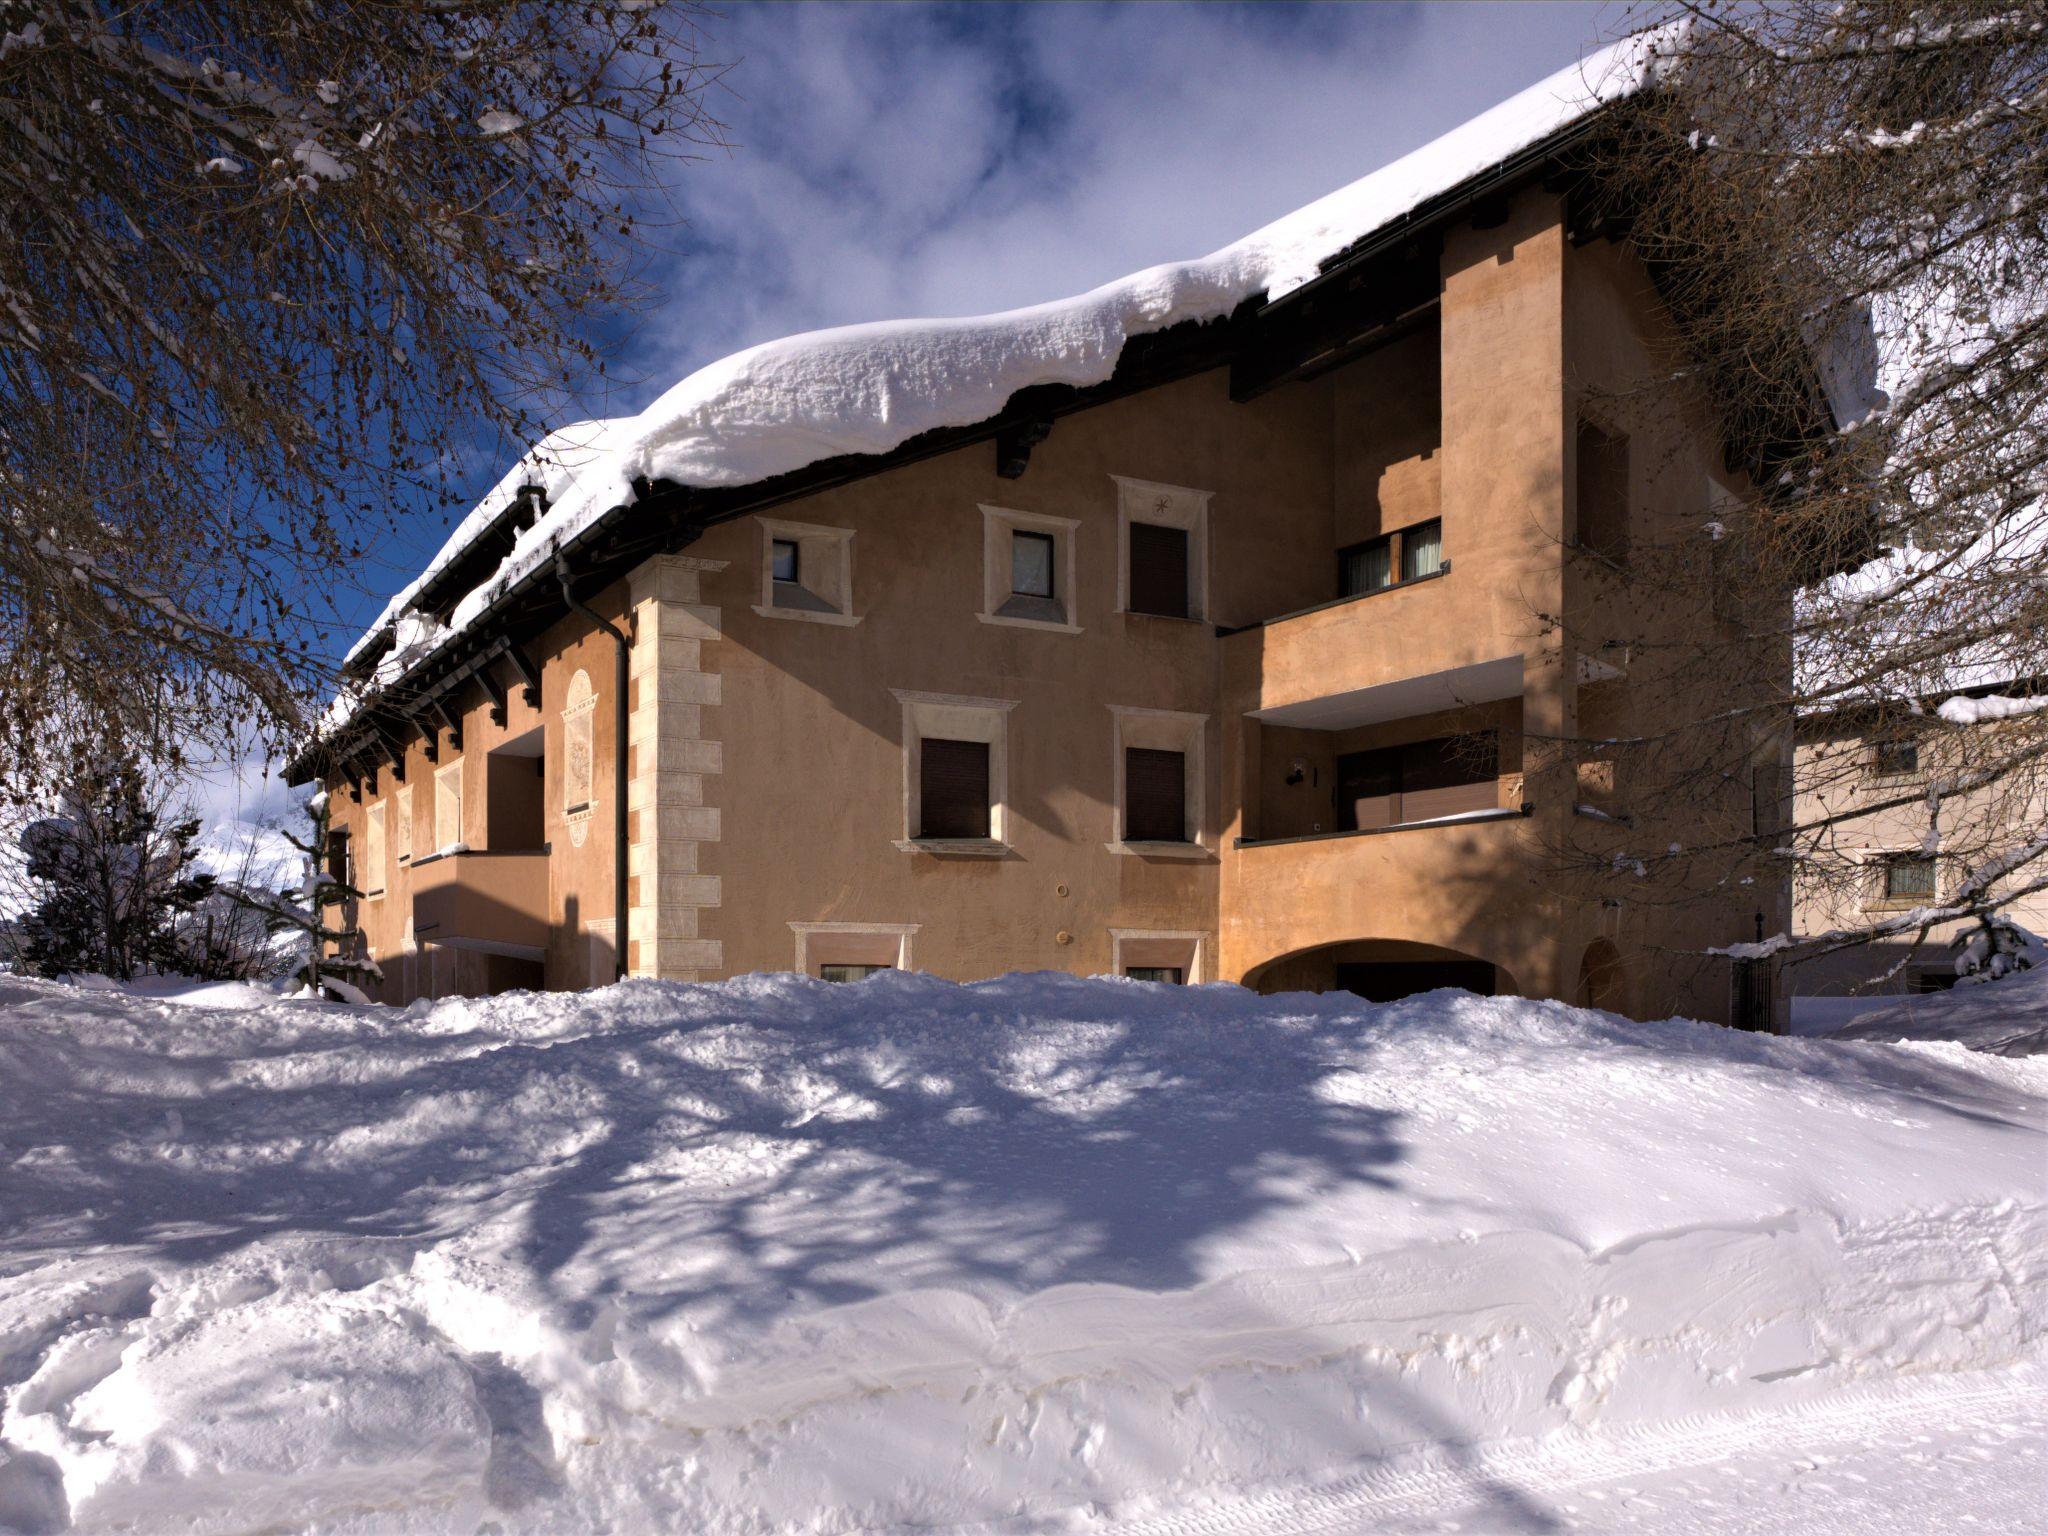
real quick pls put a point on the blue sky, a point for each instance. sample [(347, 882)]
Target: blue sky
[(901, 159)]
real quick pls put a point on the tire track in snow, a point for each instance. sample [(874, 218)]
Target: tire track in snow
[(1520, 1472)]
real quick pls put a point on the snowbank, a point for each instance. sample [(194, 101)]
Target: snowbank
[(2008, 1017), (776, 1255), (866, 389)]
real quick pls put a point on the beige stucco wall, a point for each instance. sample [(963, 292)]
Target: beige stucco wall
[(767, 753), (1839, 888)]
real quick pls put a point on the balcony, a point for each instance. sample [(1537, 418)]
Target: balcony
[(492, 902)]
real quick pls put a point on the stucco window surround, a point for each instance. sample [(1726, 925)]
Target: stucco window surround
[(954, 717), (1164, 730), (448, 809), (1876, 866), (1154, 947), (1169, 506), (822, 944), (375, 875), (401, 842), (1000, 603), (823, 590), (579, 757)]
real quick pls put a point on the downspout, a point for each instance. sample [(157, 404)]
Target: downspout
[(620, 687)]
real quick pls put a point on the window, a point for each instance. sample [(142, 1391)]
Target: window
[(1602, 500), (1148, 955), (1028, 570), (1422, 550), (1371, 566), (1155, 795), (806, 573), (373, 851), (850, 972), (1159, 570), (955, 774), (337, 858), (1908, 877), (1418, 781), (448, 808), (1894, 757), (842, 951), (1163, 541), (953, 782), (1365, 567), (1158, 782), (1031, 564)]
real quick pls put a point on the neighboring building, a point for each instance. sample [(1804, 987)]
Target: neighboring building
[(1865, 773), (1223, 660)]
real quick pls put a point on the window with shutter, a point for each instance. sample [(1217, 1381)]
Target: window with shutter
[(1155, 796), (953, 788), (1909, 878), (1159, 570)]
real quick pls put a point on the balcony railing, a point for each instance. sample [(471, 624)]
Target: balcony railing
[(488, 900), (1459, 819)]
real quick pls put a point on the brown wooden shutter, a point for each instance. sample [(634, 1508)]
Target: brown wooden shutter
[(1159, 570), (1603, 492), (952, 788), (1155, 796), (1449, 775)]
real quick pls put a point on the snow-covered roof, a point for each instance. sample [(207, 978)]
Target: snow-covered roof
[(867, 389)]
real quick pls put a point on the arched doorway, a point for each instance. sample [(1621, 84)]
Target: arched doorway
[(1380, 970), (1601, 977)]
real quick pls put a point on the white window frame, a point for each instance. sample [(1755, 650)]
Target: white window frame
[(998, 524), (1169, 730), (444, 777), (821, 549), (821, 944), (1874, 860), (1187, 948), (376, 850), (1170, 506), (955, 717)]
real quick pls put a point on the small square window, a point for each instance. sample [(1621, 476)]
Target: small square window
[(787, 559), (1031, 556), (850, 972), (1170, 975), (1909, 877), (1895, 758)]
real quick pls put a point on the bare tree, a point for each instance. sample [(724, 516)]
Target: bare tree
[(1819, 188), (320, 911), (270, 268)]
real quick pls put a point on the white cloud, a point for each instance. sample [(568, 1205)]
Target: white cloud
[(912, 161)]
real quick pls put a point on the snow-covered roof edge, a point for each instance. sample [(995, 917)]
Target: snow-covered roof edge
[(867, 389)]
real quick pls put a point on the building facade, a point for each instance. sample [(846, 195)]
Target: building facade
[(1246, 666), (1885, 849)]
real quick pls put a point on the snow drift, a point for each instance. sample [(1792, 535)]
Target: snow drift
[(774, 1254)]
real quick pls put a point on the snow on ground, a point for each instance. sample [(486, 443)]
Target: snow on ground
[(2008, 1018), (1035, 1254)]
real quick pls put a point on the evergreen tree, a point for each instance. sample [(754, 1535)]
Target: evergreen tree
[(114, 875)]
